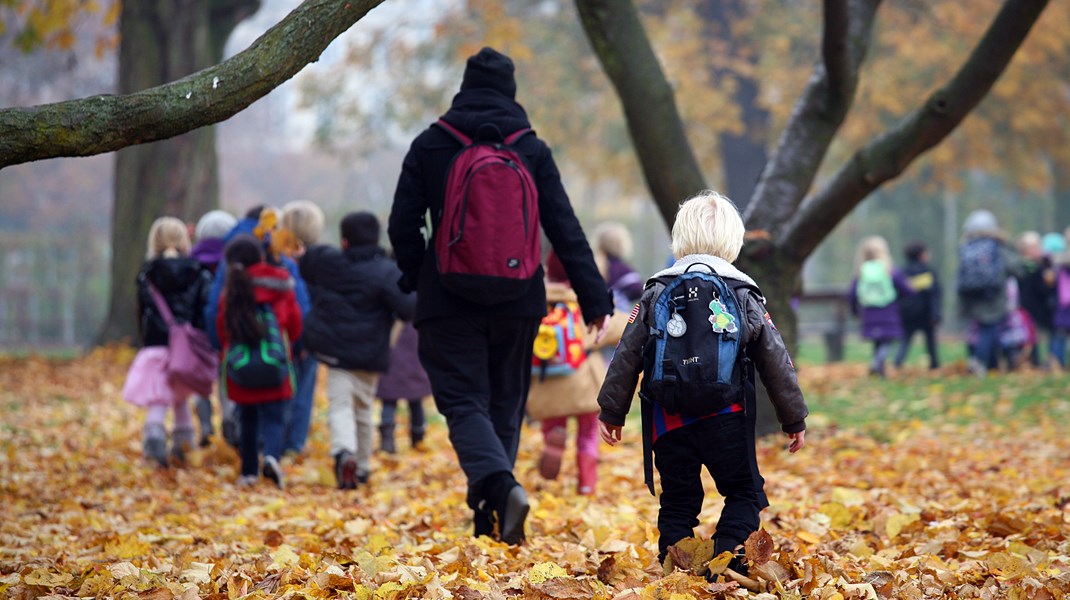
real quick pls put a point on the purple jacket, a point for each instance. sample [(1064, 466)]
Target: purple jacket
[(884, 322), (405, 379)]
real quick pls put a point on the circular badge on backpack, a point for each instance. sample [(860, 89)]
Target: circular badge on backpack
[(676, 326)]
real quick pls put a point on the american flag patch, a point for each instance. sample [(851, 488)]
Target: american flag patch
[(635, 313), (769, 319)]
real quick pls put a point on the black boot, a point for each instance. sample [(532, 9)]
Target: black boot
[(386, 439), (417, 434), (509, 502)]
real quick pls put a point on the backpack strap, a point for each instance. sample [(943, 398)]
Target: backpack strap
[(464, 140), (454, 132), (161, 304)]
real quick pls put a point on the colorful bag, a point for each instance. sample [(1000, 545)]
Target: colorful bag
[(558, 349), (487, 244), (263, 365), (191, 362), (875, 288)]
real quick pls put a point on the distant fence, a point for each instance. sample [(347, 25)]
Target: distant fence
[(53, 289), (825, 314)]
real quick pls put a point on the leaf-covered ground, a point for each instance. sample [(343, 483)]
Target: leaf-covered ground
[(919, 487)]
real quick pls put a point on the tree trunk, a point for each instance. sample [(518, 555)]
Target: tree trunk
[(743, 155), (162, 41), (1061, 195)]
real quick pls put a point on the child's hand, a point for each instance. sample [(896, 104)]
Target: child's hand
[(798, 440), (610, 433)]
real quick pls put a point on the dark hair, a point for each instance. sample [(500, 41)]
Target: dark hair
[(254, 212), (360, 228), (240, 321), (915, 250)]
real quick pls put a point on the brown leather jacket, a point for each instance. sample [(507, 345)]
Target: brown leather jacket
[(764, 347)]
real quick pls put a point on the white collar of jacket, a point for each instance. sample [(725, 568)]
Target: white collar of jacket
[(720, 266)]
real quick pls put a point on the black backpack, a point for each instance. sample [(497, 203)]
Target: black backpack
[(694, 359), (263, 365)]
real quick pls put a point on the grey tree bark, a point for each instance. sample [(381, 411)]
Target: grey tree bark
[(787, 225)]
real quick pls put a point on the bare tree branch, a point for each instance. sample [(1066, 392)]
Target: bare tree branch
[(817, 115), (105, 123), (657, 131), (889, 154)]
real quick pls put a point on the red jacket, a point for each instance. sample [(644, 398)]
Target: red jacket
[(272, 285)]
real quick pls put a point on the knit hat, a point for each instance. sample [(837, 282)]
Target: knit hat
[(214, 225), (1053, 243), (980, 221), (490, 69)]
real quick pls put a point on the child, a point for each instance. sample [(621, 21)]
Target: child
[(355, 301), (554, 397), (183, 284), (251, 283), (208, 250), (707, 235), (873, 295), (405, 379), (920, 312)]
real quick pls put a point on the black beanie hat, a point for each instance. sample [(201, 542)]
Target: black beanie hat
[(360, 228), (490, 69)]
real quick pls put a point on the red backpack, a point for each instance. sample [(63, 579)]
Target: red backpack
[(487, 242)]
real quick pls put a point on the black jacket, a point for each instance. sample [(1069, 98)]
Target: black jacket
[(355, 301), (921, 309), (184, 284), (1035, 294), (421, 188)]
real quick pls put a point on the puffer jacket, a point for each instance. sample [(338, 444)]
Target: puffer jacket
[(271, 285), (184, 284), (355, 301), (764, 347)]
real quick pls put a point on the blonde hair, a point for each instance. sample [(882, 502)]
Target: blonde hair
[(304, 219), (708, 223), (168, 237), (613, 239), (873, 247)]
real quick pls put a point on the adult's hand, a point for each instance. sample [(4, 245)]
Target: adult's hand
[(598, 329)]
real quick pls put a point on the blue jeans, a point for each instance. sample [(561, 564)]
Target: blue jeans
[(265, 422), (1057, 345), (987, 350), (299, 414)]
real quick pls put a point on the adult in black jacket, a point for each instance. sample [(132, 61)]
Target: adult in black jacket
[(355, 301), (478, 357)]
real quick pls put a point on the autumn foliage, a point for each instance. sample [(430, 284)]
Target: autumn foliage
[(975, 510)]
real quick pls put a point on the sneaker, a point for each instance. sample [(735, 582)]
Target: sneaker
[(363, 477), (273, 471), (246, 481), (345, 470), (550, 461)]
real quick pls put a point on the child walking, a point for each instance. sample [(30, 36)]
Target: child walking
[(257, 297), (874, 295), (355, 301), (715, 430), (554, 397), (172, 277), (405, 379)]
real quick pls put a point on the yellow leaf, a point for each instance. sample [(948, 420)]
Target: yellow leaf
[(807, 537), (545, 571), (897, 522), (283, 556), (46, 579)]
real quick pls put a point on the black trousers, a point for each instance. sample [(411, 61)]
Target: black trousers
[(480, 371), (722, 445), (929, 332)]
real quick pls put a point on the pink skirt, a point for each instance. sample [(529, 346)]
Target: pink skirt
[(147, 382)]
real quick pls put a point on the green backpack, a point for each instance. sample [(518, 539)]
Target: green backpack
[(875, 288)]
